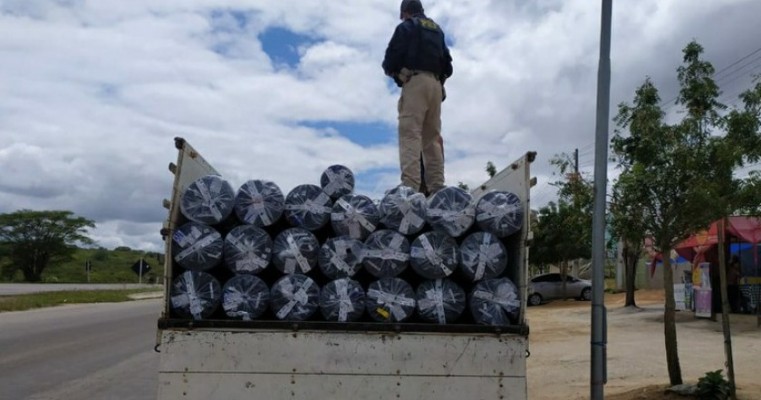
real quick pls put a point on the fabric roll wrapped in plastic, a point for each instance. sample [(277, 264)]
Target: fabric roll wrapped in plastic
[(434, 255), (208, 200), (451, 210), (403, 210), (340, 257), (248, 249), (259, 202), (499, 213), (245, 297), (355, 216), (195, 295), (342, 300), (390, 300), (294, 297), (337, 181), (495, 302), (308, 207), (197, 247), (482, 256), (295, 251), (441, 301), (386, 253)]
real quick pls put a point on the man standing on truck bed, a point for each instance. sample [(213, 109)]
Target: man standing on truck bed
[(418, 60)]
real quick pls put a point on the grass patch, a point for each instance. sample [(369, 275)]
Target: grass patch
[(49, 299)]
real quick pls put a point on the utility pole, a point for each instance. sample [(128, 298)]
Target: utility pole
[(620, 268), (576, 161), (88, 268), (598, 342)]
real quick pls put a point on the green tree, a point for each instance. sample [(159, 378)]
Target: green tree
[(744, 129), (626, 226), (491, 169), (673, 176), (563, 231), (101, 254), (35, 239)]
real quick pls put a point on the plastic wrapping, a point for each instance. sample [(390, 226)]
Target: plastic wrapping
[(341, 257), (342, 300), (482, 256), (197, 247), (403, 210), (295, 251), (294, 297), (195, 295), (245, 297), (390, 300), (451, 210), (259, 202), (434, 255), (248, 249), (355, 216), (500, 213), (386, 254), (495, 302), (208, 200), (337, 181), (441, 301), (308, 207)]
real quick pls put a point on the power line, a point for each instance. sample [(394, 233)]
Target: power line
[(737, 62), (715, 75), (740, 68), (735, 95)]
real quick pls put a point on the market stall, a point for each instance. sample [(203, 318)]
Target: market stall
[(743, 238)]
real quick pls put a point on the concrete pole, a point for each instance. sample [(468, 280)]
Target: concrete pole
[(599, 341)]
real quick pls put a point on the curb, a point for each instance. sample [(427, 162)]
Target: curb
[(145, 296)]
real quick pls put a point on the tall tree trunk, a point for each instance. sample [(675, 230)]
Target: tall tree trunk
[(30, 274), (669, 320), (725, 309), (631, 259)]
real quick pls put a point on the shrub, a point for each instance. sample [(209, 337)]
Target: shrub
[(713, 386)]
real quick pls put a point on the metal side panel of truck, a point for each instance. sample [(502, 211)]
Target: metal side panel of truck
[(276, 360)]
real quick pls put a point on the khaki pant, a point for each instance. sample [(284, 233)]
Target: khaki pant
[(420, 131)]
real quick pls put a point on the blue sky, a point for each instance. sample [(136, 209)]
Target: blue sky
[(282, 45)]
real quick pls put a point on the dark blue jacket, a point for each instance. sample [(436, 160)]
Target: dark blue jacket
[(418, 44)]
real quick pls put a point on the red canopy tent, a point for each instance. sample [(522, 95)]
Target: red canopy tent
[(744, 228), (694, 248)]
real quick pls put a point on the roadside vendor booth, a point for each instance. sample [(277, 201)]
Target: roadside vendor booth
[(743, 238)]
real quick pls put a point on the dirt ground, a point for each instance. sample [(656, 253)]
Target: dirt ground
[(559, 365)]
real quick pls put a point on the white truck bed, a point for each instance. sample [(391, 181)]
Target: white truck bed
[(321, 360)]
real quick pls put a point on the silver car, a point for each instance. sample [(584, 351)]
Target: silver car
[(550, 286)]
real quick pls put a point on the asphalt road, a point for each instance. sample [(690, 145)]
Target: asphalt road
[(22, 288), (83, 351)]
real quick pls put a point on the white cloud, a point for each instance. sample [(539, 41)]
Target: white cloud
[(94, 92)]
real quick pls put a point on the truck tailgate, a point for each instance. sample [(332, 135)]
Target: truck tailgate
[(202, 364)]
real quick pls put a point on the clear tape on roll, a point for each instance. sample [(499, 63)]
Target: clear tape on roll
[(345, 306), (298, 258), (509, 302), (299, 297), (434, 298), (336, 182), (393, 302)]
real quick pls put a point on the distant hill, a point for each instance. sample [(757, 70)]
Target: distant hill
[(108, 266)]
